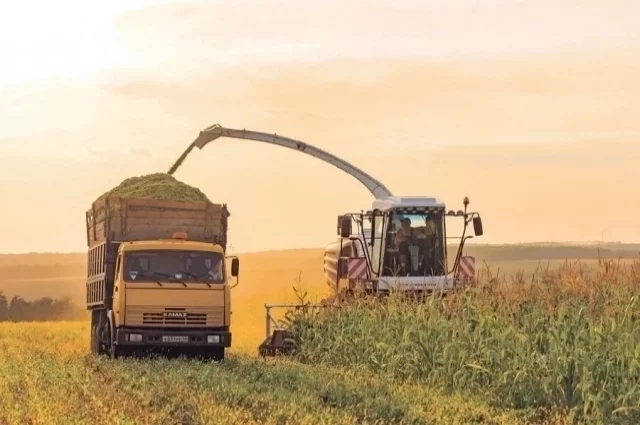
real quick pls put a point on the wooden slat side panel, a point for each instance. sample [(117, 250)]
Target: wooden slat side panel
[(177, 222), (99, 231), (165, 233), (140, 219), (164, 228), (145, 213), (152, 232), (171, 215), (141, 235), (143, 231), (162, 204), (99, 210)]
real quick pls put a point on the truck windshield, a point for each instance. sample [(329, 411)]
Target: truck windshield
[(415, 245), (173, 266)]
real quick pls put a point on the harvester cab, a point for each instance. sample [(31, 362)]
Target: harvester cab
[(401, 244)]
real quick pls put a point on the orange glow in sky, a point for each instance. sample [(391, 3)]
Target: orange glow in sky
[(528, 107)]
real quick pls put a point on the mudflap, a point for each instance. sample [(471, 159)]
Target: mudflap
[(279, 343)]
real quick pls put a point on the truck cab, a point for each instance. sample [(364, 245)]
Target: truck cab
[(172, 293)]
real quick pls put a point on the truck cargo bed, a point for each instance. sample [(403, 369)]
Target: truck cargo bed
[(127, 219)]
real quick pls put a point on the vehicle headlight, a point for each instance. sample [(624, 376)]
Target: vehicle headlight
[(135, 337), (213, 339)]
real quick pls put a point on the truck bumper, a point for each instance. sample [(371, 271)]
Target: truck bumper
[(142, 337)]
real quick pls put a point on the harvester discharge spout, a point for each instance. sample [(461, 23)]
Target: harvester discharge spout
[(375, 187)]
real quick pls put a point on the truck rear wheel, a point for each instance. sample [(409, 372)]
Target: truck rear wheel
[(95, 340)]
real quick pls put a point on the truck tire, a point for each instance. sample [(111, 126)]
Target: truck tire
[(114, 350), (216, 354), (95, 345)]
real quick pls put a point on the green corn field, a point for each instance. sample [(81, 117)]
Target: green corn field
[(566, 340)]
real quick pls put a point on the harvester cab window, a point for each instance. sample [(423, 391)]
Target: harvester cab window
[(416, 246)]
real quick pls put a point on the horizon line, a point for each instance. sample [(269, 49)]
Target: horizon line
[(585, 244)]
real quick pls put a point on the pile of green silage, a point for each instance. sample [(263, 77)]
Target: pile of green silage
[(157, 186)]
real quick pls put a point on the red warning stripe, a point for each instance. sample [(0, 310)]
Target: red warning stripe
[(467, 267), (357, 268)]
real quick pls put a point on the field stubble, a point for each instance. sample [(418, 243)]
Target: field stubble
[(48, 377)]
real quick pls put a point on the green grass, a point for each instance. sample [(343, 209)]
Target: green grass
[(47, 376), (567, 340)]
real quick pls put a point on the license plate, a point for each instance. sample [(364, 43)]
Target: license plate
[(175, 338)]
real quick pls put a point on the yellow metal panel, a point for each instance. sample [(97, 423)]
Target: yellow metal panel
[(205, 306), (171, 245)]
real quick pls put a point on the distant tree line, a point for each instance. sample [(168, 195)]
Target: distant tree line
[(44, 309)]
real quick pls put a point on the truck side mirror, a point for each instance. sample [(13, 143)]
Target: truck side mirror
[(345, 227), (477, 226), (235, 267)]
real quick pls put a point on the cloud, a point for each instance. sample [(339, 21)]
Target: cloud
[(213, 35)]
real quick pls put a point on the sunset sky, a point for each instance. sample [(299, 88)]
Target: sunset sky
[(530, 108)]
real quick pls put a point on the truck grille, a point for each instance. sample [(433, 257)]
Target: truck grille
[(178, 317), (162, 319)]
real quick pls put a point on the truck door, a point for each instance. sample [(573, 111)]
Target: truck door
[(118, 293)]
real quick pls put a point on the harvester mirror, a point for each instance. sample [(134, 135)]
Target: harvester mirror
[(343, 268), (477, 226), (235, 267), (345, 227)]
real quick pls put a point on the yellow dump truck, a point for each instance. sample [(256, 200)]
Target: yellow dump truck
[(157, 277)]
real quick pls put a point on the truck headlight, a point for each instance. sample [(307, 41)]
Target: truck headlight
[(213, 339), (135, 337)]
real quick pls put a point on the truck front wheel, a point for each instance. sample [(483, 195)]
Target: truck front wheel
[(113, 349), (216, 354)]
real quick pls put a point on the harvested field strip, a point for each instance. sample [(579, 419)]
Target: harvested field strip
[(59, 382)]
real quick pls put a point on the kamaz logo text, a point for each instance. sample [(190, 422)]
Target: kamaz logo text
[(175, 314)]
